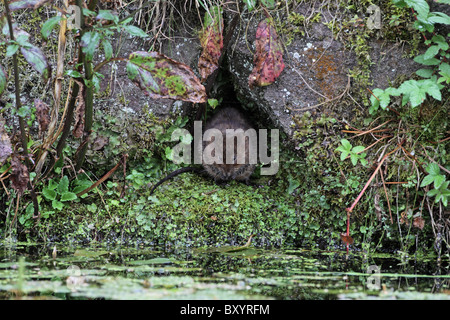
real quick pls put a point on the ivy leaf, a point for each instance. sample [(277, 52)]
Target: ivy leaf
[(89, 42), (48, 26), (3, 80), (211, 40), (268, 58), (163, 78), (293, 184), (36, 58)]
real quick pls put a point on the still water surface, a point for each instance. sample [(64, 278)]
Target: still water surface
[(38, 271)]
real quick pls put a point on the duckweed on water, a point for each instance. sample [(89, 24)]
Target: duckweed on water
[(134, 273)]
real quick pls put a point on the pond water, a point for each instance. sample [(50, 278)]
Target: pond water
[(36, 271)]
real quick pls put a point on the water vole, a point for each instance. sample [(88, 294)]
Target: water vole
[(238, 165)]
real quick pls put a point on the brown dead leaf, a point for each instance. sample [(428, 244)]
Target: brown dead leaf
[(78, 127), (419, 222), (42, 114), (268, 58), (347, 239), (19, 175), (211, 40), (99, 142)]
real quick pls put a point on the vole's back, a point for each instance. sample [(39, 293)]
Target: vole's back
[(230, 118)]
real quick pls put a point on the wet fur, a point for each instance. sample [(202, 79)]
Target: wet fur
[(226, 118)]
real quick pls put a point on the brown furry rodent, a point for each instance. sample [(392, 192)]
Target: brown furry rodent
[(229, 118), (226, 118)]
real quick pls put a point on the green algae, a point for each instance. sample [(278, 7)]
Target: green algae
[(130, 273)]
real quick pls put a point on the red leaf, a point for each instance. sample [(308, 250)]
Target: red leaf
[(347, 239), (211, 40), (19, 175), (268, 59), (163, 78)]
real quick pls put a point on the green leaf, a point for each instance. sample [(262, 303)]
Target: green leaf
[(23, 111), (108, 49), (346, 144), (354, 158), (270, 4), (68, 196), (293, 184), (11, 49), (439, 17), (107, 15), (251, 4), (438, 180), (433, 169), (73, 74), (89, 42), (427, 62), (427, 180), (52, 185), (63, 185), (135, 31), (358, 149), (424, 73), (420, 6), (36, 58), (92, 207), (432, 88), (344, 154), (57, 205), (48, 26), (444, 71), (169, 153), (49, 194), (441, 42), (22, 40), (431, 52), (3, 80)]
